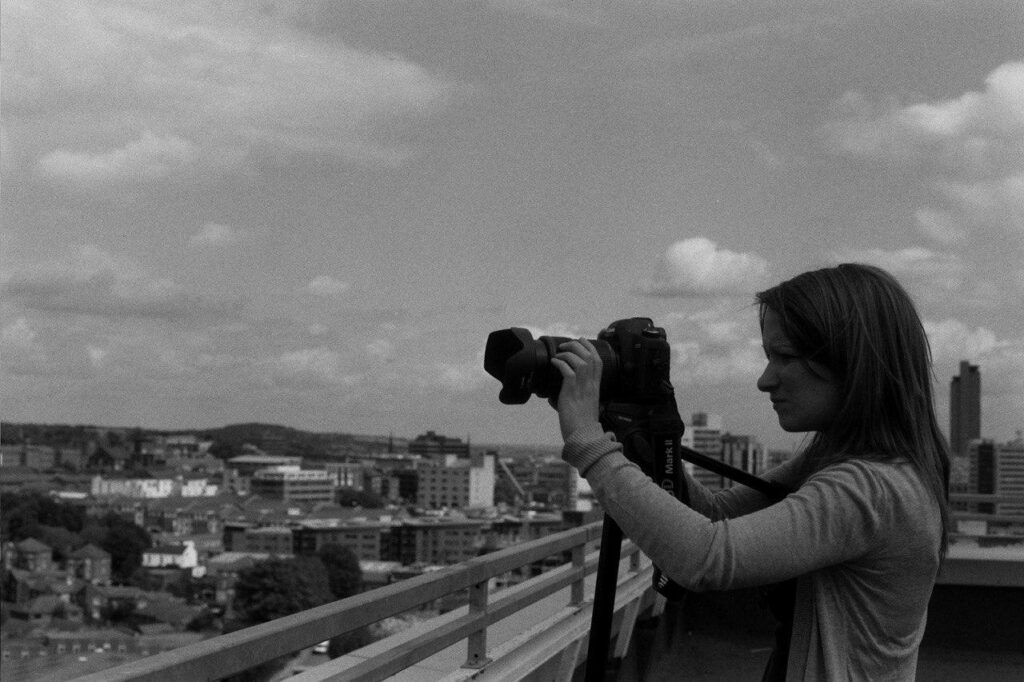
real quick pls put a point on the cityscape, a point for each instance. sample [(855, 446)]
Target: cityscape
[(251, 255), (211, 508)]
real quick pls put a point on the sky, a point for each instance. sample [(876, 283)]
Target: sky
[(313, 213)]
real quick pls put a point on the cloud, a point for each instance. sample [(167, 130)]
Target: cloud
[(560, 329), (214, 234), (940, 226), (978, 131), (311, 366), (715, 346), (381, 349), (697, 267), (971, 146), (94, 282), (148, 158), (952, 339), (227, 79), (21, 349), (463, 377), (327, 286), (924, 266), (19, 334)]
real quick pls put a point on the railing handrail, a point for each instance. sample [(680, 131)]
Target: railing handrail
[(227, 654), (1005, 498)]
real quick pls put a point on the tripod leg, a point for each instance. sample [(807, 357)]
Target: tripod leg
[(604, 601)]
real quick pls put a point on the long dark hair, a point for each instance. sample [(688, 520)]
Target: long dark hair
[(861, 324)]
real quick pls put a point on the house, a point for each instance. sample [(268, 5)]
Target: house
[(189, 516), (22, 586), (182, 555), (100, 601), (102, 455), (170, 567), (41, 611), (223, 570), (91, 564), (33, 555)]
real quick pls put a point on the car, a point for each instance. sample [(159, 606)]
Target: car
[(321, 648)]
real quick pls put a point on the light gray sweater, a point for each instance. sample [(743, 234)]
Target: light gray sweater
[(862, 536)]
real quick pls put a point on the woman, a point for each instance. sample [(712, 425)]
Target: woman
[(864, 532)]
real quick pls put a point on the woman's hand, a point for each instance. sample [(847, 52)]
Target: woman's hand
[(579, 399)]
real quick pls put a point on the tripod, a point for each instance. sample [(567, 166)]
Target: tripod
[(650, 436)]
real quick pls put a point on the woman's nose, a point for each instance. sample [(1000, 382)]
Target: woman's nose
[(768, 380)]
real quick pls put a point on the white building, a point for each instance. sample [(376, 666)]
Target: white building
[(456, 483), (177, 556), (294, 484), (151, 487)]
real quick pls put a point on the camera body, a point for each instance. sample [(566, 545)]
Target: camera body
[(635, 358)]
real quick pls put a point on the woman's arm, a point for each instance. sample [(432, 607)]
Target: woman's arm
[(834, 517)]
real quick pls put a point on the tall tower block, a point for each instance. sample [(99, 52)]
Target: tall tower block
[(964, 408)]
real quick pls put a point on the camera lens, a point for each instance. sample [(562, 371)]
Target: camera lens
[(522, 364)]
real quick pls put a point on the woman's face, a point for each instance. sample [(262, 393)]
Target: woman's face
[(803, 392)]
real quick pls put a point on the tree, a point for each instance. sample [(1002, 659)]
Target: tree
[(22, 515), (125, 542), (62, 540), (344, 577), (280, 587)]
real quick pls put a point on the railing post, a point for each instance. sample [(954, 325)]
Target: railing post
[(476, 643), (579, 560)]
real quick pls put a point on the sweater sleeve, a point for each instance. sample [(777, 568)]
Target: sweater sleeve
[(834, 517)]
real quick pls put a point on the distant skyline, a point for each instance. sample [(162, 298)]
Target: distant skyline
[(313, 213)]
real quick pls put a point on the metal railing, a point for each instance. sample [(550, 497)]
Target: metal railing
[(218, 657), (225, 655)]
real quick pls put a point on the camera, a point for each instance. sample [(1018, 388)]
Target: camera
[(634, 353)]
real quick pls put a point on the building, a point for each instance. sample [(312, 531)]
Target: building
[(187, 516), (1010, 476), (777, 457), (248, 464), (91, 564), (996, 469), (704, 434), (964, 408), (292, 484), (367, 539), (223, 571), (431, 444), (182, 555), (981, 457), (437, 541), (275, 540), (152, 487), (454, 483), (347, 474), (133, 487), (744, 453), (556, 483), (34, 556)]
